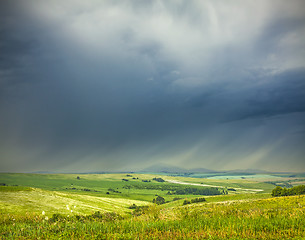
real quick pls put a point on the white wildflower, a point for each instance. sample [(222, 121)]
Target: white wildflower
[(74, 206), (71, 211), (46, 218), (68, 207), (43, 213)]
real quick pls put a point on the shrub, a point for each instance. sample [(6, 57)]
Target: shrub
[(133, 206), (196, 200), (159, 179), (140, 210), (159, 200), (176, 199)]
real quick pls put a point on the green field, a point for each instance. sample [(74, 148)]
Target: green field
[(71, 206)]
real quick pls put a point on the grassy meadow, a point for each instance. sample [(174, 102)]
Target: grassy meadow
[(98, 206)]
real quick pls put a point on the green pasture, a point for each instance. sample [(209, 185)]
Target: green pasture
[(127, 186), (88, 184)]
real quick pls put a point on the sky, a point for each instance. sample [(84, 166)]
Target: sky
[(122, 85)]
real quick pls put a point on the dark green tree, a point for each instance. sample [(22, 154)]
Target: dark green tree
[(277, 191)]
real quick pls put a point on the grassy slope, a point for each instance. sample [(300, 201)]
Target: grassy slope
[(16, 200), (272, 218)]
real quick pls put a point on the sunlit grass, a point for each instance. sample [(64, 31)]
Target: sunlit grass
[(37, 200), (273, 218)]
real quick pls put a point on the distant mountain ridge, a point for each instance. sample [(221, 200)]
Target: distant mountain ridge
[(254, 171), (163, 168), (202, 170), (166, 168)]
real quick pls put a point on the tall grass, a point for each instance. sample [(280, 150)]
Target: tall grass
[(274, 218)]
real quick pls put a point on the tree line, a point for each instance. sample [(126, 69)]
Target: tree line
[(297, 190)]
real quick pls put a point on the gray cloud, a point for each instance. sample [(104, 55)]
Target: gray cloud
[(104, 85)]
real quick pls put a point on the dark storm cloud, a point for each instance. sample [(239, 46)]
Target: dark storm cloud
[(101, 85), (284, 95)]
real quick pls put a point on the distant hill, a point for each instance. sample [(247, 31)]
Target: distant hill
[(166, 168), (42, 172), (254, 171), (202, 170)]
